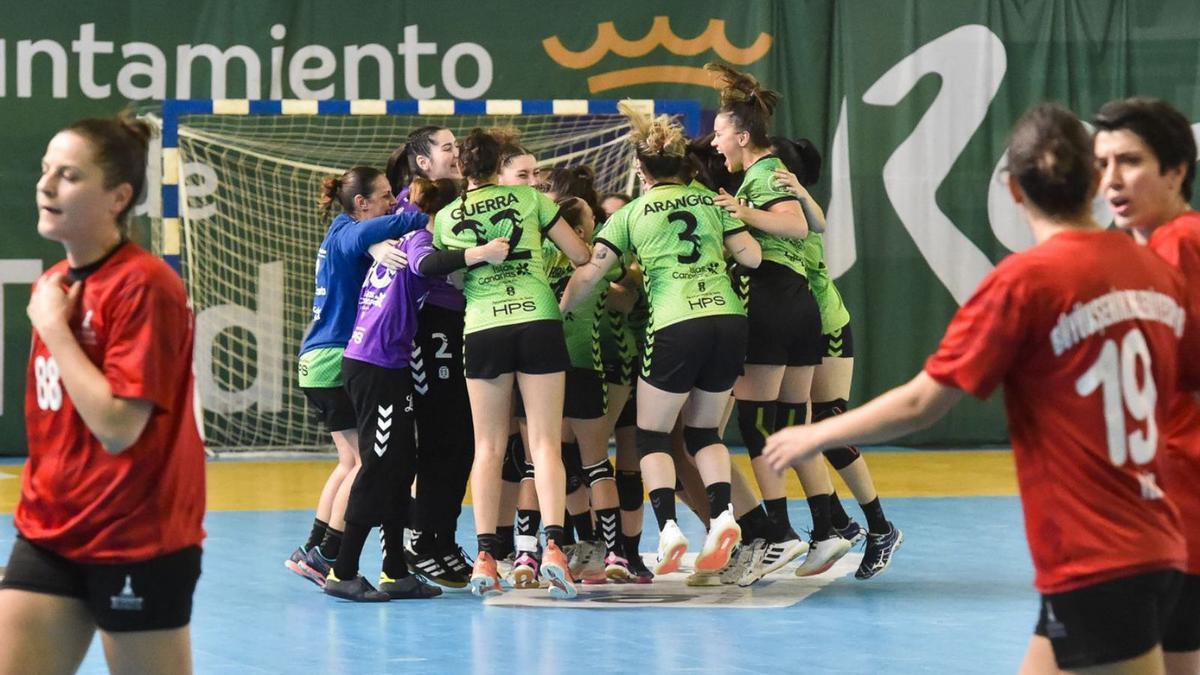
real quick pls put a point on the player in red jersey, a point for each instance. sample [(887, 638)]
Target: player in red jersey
[(1147, 159), (112, 496), (1086, 331)]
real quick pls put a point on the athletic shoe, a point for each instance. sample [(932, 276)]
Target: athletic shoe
[(617, 569), (723, 534), (700, 579), (822, 555), (484, 579), (852, 532), (315, 567), (293, 563), (742, 562), (357, 589), (671, 547), (524, 572), (771, 558), (433, 570), (592, 571), (878, 554), (556, 571), (458, 562), (406, 588), (504, 567), (637, 566)]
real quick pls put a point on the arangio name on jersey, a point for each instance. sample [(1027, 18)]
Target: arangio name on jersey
[(485, 206), (694, 199)]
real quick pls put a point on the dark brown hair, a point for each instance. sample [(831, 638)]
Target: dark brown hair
[(431, 195), (572, 210), (800, 157), (1161, 127), (342, 190), (402, 166), (708, 166), (1050, 155), (748, 105), (576, 181), (119, 145)]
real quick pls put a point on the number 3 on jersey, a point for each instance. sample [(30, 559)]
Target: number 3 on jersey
[(49, 387), (1115, 374), (688, 236)]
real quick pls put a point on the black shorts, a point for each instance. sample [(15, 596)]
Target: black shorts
[(1110, 621), (705, 353), (783, 317), (331, 407), (838, 344), (387, 443), (534, 348), (154, 594), (586, 394), (628, 416), (1183, 628)]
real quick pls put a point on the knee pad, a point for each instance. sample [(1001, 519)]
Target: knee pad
[(790, 414), (629, 490), (573, 465), (756, 421), (594, 473), (514, 460), (842, 457), (696, 439), (650, 442), (826, 409)]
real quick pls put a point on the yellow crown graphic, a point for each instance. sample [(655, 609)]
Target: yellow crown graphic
[(609, 40)]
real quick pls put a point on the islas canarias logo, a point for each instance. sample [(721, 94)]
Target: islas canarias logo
[(609, 40)]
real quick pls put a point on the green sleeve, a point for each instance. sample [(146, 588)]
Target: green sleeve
[(761, 189), (547, 212), (729, 224), (616, 230)]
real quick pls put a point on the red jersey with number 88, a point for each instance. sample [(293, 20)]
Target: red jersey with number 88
[(77, 499), (1085, 332)]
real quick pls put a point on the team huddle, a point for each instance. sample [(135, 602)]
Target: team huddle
[(478, 318)]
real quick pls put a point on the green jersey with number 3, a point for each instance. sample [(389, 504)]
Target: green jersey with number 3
[(678, 234), (516, 290), (761, 191)]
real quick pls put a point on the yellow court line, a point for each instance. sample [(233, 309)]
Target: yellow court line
[(281, 485)]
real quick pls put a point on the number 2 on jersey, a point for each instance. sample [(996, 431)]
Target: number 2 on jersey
[(1115, 374), (688, 236)]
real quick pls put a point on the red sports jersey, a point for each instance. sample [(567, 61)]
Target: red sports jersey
[(78, 500), (1178, 242), (1085, 332)]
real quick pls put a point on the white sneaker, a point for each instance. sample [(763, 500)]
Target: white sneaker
[(699, 578), (772, 559), (743, 560), (822, 555), (671, 547), (723, 534)]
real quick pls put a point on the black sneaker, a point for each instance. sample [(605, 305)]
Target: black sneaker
[(459, 563), (433, 569), (852, 532), (406, 588), (357, 589), (637, 566), (878, 554)]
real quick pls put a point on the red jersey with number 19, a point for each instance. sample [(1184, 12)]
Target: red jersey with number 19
[(1178, 242), (1085, 331), (77, 499)]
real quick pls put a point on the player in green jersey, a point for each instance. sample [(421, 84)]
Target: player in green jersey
[(784, 320), (831, 379), (513, 331), (697, 334)]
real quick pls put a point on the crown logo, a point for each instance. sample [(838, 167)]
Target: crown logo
[(660, 35)]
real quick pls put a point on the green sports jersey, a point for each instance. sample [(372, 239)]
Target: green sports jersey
[(679, 235), (516, 290), (761, 191), (581, 326), (834, 314)]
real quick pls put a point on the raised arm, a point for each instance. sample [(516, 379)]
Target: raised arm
[(569, 243), (813, 212)]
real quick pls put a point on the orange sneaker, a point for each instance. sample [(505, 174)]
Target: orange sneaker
[(723, 535), (556, 571), (485, 580)]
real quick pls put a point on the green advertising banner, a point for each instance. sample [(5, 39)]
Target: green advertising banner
[(910, 102)]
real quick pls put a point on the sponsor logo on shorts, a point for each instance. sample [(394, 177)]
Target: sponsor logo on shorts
[(126, 601)]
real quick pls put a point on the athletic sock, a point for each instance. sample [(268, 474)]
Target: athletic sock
[(506, 534), (837, 515), (352, 541), (568, 533), (662, 500), (632, 544), (488, 543), (582, 522), (331, 544), (718, 498), (778, 513), (610, 528), (818, 505), (556, 534), (424, 542), (876, 523), (395, 562), (754, 524), (317, 533)]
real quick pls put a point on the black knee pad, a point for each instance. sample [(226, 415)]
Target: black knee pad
[(594, 473), (790, 414), (826, 409), (696, 439), (514, 460), (842, 457), (573, 465), (756, 421), (650, 442), (630, 493)]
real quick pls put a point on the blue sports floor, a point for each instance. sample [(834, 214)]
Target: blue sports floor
[(957, 599)]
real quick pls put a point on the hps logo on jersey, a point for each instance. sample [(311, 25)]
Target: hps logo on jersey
[(609, 39)]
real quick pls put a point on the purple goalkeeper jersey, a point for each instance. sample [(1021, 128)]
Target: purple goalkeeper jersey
[(388, 306), (441, 293)]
